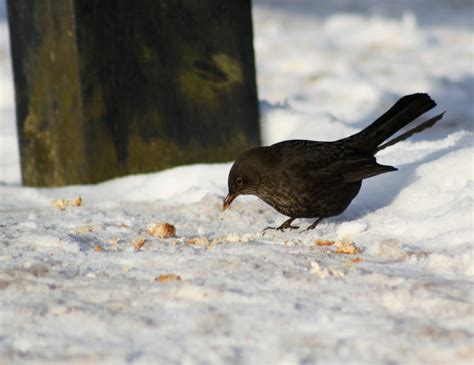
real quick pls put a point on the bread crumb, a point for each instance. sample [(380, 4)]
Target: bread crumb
[(113, 241), (85, 229), (167, 278), (77, 202), (356, 260), (324, 242), (212, 244), (324, 272), (138, 243), (161, 230), (232, 238), (347, 248), (319, 271), (198, 241), (62, 204), (98, 248), (203, 242)]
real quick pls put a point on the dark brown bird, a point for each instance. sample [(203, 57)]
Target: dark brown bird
[(310, 179)]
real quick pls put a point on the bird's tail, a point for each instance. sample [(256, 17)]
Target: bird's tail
[(405, 110)]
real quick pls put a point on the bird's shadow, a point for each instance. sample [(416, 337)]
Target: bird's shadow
[(454, 97), (380, 191)]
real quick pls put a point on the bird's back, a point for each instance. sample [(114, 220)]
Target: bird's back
[(298, 178)]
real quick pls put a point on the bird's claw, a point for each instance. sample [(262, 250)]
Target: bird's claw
[(267, 228), (281, 228), (288, 227)]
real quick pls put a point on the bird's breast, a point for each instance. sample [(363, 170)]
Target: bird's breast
[(287, 197)]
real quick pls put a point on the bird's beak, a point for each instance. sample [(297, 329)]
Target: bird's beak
[(229, 199)]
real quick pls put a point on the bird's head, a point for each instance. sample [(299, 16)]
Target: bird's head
[(245, 175)]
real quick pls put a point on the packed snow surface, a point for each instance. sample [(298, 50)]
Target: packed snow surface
[(79, 285)]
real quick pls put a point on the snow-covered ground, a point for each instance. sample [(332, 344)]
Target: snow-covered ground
[(74, 290)]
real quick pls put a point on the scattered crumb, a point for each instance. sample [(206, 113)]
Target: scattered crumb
[(324, 272), (212, 244), (167, 278), (198, 241), (324, 242), (344, 247), (319, 271), (76, 202), (123, 225), (98, 248), (232, 238), (356, 260), (85, 229), (347, 247), (113, 241), (161, 230), (203, 242), (138, 243), (62, 204)]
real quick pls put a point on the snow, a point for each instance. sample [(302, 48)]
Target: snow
[(74, 290)]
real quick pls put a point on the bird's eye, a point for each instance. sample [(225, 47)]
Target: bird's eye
[(239, 181)]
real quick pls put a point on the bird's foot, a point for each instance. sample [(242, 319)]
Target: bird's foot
[(285, 225), (282, 228), (313, 226)]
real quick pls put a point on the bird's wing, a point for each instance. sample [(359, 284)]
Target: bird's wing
[(357, 168), (331, 172)]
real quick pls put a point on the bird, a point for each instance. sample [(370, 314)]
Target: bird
[(314, 179)]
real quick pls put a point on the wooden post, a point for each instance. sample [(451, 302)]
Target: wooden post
[(114, 87)]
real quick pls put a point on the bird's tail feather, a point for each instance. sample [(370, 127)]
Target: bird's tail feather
[(405, 110), (421, 127)]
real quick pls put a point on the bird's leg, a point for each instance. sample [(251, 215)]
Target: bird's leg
[(314, 224), (285, 225)]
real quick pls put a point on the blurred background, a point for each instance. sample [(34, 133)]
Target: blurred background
[(3, 9), (318, 61)]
